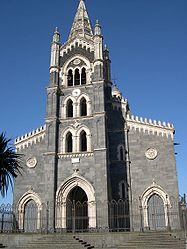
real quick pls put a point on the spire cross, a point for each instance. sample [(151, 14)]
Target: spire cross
[(114, 79)]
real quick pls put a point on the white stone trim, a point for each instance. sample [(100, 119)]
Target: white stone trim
[(151, 190), (76, 106), (29, 195), (62, 194), (88, 136), (71, 45), (76, 138), (30, 138), (77, 155), (65, 68), (64, 107), (149, 126), (88, 103), (63, 139)]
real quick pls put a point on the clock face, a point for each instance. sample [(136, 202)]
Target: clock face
[(76, 92)]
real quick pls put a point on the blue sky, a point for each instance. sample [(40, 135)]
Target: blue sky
[(148, 46)]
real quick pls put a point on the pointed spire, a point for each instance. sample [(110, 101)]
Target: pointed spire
[(81, 25), (56, 35)]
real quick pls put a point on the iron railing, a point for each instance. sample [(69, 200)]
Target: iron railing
[(121, 215)]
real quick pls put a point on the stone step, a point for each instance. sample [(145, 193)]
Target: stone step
[(57, 242), (153, 240)]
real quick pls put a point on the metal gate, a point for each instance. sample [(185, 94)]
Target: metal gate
[(77, 216), (31, 217)]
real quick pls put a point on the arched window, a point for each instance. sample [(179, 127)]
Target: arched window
[(123, 190), (83, 141), (70, 78), (83, 76), (69, 142), (83, 107), (69, 109), (77, 77), (121, 153)]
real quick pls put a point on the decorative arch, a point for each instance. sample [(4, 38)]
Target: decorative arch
[(64, 133), (65, 188), (85, 129), (88, 103), (147, 194), (28, 196), (64, 113), (86, 75)]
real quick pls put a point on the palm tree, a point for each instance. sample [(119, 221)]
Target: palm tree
[(10, 164)]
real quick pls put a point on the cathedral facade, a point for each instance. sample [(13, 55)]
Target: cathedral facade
[(94, 164)]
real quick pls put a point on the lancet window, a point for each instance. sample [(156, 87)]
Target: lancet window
[(69, 142), (76, 77), (76, 140), (83, 107), (121, 153), (69, 111), (123, 190), (83, 76), (70, 78), (83, 141)]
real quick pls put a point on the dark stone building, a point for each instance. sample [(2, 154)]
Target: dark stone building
[(119, 168)]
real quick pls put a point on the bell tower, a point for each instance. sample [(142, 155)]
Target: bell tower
[(76, 119)]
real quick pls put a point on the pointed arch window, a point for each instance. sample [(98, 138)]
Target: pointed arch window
[(77, 77), (123, 191), (121, 153), (69, 142), (83, 107), (69, 108), (83, 141), (70, 78), (83, 76)]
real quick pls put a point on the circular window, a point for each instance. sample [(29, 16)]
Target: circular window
[(151, 153), (31, 162)]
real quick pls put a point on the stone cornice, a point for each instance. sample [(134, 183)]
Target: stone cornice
[(30, 138), (151, 127), (77, 155)]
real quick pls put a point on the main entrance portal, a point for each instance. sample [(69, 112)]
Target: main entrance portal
[(77, 210)]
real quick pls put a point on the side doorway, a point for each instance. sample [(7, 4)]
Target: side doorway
[(156, 213)]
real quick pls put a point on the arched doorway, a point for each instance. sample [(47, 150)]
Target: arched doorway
[(81, 190), (156, 213), (30, 216), (77, 210)]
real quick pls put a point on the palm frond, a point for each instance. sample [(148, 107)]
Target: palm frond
[(10, 164)]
